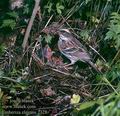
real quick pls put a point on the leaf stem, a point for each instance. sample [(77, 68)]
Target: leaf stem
[(115, 58)]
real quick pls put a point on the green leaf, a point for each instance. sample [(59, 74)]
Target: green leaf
[(59, 11), (26, 9), (84, 34), (13, 90), (59, 8), (2, 49), (89, 104), (13, 14), (48, 38), (49, 7), (109, 35), (118, 42), (114, 30), (8, 23)]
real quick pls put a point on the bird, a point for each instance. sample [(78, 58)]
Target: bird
[(71, 48)]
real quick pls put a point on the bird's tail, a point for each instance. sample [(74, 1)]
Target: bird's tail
[(94, 67)]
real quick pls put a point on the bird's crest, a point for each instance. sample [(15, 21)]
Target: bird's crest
[(66, 30)]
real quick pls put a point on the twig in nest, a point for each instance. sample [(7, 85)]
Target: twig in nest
[(56, 70), (30, 24), (33, 52), (37, 59), (41, 77), (67, 73), (48, 21), (47, 24)]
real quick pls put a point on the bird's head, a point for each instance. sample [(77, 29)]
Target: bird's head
[(64, 34)]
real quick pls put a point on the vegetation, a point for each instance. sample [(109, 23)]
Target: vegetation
[(29, 62)]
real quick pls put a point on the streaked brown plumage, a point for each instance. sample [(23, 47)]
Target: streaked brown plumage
[(70, 47)]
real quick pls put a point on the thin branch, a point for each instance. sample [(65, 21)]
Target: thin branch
[(36, 78), (48, 22), (33, 53), (36, 7), (67, 73)]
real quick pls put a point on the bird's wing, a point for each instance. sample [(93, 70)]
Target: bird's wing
[(77, 43), (70, 48)]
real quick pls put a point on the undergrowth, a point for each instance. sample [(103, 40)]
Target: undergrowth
[(82, 91)]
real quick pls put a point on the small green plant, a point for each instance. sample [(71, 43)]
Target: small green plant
[(8, 23), (26, 9), (13, 15), (59, 8), (114, 30), (48, 38), (85, 35), (2, 49), (111, 107), (49, 7)]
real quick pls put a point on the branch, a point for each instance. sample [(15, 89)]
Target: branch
[(30, 24)]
